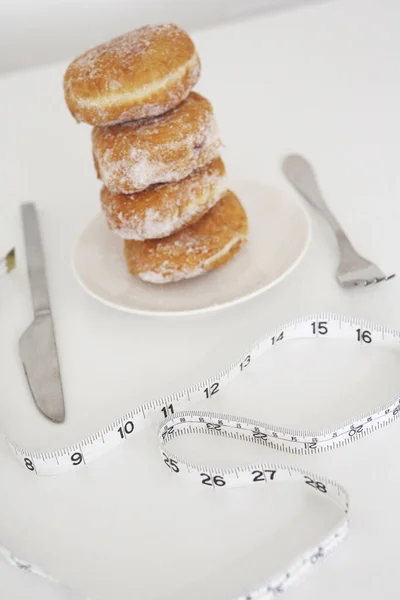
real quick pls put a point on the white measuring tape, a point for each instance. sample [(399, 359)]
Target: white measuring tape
[(177, 419)]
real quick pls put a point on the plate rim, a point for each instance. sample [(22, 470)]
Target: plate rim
[(211, 307)]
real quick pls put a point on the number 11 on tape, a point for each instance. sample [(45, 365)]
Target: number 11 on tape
[(177, 420)]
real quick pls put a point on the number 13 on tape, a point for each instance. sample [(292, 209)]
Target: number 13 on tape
[(177, 418)]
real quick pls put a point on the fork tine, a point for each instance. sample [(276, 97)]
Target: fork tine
[(353, 269), (364, 276)]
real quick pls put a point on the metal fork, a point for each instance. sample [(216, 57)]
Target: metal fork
[(353, 269)]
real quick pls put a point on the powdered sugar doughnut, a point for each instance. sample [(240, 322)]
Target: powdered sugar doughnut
[(202, 247), (165, 208), (131, 156), (137, 75)]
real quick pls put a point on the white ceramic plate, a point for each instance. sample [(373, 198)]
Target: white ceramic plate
[(279, 235)]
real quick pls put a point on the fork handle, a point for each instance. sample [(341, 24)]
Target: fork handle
[(301, 175)]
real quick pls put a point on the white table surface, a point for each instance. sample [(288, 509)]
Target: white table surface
[(38, 32), (324, 81)]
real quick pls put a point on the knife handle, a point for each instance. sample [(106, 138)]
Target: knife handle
[(35, 260)]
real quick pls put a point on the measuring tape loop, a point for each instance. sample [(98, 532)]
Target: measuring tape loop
[(199, 422), (175, 418), (280, 438)]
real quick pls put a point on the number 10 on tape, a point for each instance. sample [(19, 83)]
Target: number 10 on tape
[(177, 418)]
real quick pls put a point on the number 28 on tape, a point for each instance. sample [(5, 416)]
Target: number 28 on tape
[(177, 418)]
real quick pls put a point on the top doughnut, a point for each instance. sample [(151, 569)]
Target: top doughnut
[(140, 74)]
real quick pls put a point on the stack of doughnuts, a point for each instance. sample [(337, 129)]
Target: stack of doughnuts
[(156, 150)]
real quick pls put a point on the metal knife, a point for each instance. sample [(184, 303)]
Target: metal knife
[(37, 345)]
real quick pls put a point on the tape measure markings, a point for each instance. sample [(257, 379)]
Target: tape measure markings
[(174, 421), (190, 422), (299, 442)]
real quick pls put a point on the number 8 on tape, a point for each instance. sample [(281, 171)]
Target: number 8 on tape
[(177, 419)]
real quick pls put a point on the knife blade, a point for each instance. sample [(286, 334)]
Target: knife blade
[(37, 345)]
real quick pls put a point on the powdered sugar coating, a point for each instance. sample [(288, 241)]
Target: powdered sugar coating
[(164, 209), (206, 245), (132, 156), (166, 274), (140, 74)]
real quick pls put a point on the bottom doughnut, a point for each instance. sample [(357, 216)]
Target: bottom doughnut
[(209, 243)]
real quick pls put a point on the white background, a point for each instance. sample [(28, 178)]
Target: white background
[(36, 32), (324, 81)]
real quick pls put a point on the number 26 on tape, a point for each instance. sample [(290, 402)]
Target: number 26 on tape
[(217, 480)]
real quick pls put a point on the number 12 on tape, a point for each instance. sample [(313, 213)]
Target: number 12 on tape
[(178, 420)]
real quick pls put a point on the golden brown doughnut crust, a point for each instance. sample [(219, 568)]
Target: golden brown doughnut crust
[(131, 156), (209, 243), (140, 74), (165, 208)]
